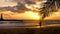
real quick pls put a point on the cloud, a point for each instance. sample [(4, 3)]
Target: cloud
[(29, 2), (20, 4), (5, 3), (8, 4)]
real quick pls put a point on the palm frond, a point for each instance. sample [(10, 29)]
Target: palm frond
[(48, 8)]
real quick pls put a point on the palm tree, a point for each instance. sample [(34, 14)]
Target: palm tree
[(49, 7)]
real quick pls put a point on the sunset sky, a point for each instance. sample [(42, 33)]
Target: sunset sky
[(54, 16), (29, 4), (21, 16), (5, 3)]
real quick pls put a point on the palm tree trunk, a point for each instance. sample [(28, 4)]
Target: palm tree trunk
[(41, 21), (1, 16)]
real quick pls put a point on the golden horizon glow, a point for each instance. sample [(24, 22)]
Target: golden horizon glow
[(54, 16), (30, 15), (33, 15)]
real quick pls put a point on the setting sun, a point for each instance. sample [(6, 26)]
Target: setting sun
[(33, 15)]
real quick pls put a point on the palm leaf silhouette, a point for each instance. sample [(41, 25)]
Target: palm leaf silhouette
[(49, 7)]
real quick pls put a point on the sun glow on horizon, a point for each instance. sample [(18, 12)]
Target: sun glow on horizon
[(33, 15), (27, 15)]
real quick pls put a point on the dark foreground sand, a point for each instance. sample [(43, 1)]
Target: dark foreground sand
[(42, 30)]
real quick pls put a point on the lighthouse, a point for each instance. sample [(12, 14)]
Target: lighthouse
[(1, 18)]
